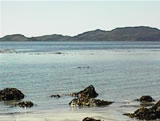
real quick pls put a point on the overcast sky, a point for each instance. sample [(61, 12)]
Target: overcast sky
[(34, 18)]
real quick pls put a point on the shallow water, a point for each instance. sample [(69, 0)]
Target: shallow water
[(120, 72)]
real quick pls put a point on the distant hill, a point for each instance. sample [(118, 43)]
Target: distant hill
[(140, 33), (54, 37), (14, 37)]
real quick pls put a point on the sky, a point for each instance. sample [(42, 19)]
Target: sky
[(36, 18)]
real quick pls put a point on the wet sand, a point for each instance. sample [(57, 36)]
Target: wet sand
[(65, 116)]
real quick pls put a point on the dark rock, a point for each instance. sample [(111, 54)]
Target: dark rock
[(83, 67), (145, 98), (90, 102), (90, 119), (25, 104), (145, 101), (99, 102), (152, 113), (156, 107), (56, 96), (88, 92), (131, 115), (58, 53), (10, 94), (86, 97), (144, 114)]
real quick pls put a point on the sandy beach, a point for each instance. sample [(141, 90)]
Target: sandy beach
[(65, 116)]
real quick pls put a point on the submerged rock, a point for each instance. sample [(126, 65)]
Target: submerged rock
[(83, 67), (56, 96), (90, 102), (88, 92), (25, 104), (90, 119), (10, 94), (152, 113), (58, 53)]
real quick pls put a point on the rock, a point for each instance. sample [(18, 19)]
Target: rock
[(25, 104), (58, 53), (152, 113), (131, 115), (146, 98), (83, 67), (99, 102), (90, 119), (144, 114), (146, 101), (86, 97), (90, 102), (156, 106), (10, 94), (88, 92), (56, 96)]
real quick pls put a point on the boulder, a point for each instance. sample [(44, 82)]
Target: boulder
[(90, 119), (87, 97), (145, 98), (152, 113), (25, 104), (10, 94), (88, 92), (144, 114), (90, 102)]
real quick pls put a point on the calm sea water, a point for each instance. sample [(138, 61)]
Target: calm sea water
[(120, 72)]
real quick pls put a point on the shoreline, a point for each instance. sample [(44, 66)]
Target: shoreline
[(53, 116)]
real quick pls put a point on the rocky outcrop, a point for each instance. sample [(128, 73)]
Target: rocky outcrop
[(10, 94), (88, 92), (145, 98), (87, 97), (90, 102), (25, 104), (145, 101), (90, 119), (152, 113)]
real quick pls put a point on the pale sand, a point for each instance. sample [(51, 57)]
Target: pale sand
[(67, 116)]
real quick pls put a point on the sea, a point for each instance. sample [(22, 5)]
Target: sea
[(120, 71)]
